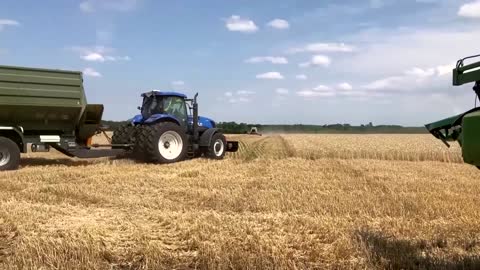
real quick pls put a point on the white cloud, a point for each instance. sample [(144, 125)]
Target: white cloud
[(383, 84), (321, 60), (323, 47), (313, 93), (239, 100), (445, 69), (408, 48), (323, 88), (245, 93), (438, 71), (241, 96), (94, 57), (89, 6), (345, 86), (282, 91), (301, 77), (412, 79), (279, 24), (91, 72), (470, 10), (418, 72), (340, 90), (270, 76), (98, 54), (237, 24), (271, 59), (317, 60), (178, 83), (5, 22)]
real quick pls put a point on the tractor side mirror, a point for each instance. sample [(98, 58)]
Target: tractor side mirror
[(139, 108)]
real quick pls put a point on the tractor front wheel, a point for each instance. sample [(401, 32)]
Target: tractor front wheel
[(217, 147), (161, 143)]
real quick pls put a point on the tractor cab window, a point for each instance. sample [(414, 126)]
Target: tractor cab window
[(171, 105), (176, 106)]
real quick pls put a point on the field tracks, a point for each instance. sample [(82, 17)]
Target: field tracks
[(413, 148)]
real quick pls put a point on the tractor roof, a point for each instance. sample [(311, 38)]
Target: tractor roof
[(165, 93)]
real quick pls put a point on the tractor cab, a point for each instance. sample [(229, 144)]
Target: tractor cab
[(172, 106), (165, 104)]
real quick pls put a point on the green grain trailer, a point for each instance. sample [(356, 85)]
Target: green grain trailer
[(45, 107)]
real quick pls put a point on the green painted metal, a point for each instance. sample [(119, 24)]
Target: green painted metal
[(464, 74), (463, 128), (444, 123), (46, 101), (470, 140)]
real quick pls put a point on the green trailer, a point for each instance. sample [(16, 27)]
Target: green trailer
[(463, 128), (44, 108)]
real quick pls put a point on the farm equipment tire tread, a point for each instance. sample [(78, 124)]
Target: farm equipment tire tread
[(10, 147), (146, 145), (124, 134), (210, 151)]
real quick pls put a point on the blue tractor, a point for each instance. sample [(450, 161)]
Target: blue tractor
[(169, 130)]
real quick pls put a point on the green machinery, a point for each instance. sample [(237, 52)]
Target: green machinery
[(465, 127)]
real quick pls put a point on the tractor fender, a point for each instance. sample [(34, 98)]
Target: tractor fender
[(206, 136)]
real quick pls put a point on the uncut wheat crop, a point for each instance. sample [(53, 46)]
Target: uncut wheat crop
[(280, 202)]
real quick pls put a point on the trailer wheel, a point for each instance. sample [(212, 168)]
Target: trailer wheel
[(164, 142), (217, 147), (9, 154)]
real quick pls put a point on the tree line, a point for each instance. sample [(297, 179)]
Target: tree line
[(242, 128)]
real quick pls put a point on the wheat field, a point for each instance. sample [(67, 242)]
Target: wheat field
[(281, 202)]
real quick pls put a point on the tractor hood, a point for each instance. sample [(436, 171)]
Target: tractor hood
[(202, 122)]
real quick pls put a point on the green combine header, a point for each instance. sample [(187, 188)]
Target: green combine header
[(463, 128)]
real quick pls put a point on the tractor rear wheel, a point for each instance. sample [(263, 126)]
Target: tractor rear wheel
[(123, 134), (164, 142), (217, 147), (9, 154)]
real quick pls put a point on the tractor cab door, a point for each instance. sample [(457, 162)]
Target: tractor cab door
[(176, 107)]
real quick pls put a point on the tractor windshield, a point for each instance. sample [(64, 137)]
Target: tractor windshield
[(171, 105)]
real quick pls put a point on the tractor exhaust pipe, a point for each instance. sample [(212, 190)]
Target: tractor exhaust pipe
[(195, 118)]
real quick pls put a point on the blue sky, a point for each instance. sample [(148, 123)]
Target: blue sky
[(311, 62)]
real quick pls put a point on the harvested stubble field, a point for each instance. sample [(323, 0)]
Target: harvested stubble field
[(282, 202)]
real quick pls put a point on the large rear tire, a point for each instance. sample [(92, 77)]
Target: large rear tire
[(123, 134), (9, 154), (164, 142), (217, 147)]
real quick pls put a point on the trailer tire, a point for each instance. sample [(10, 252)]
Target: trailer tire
[(9, 154), (164, 142), (217, 147)]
